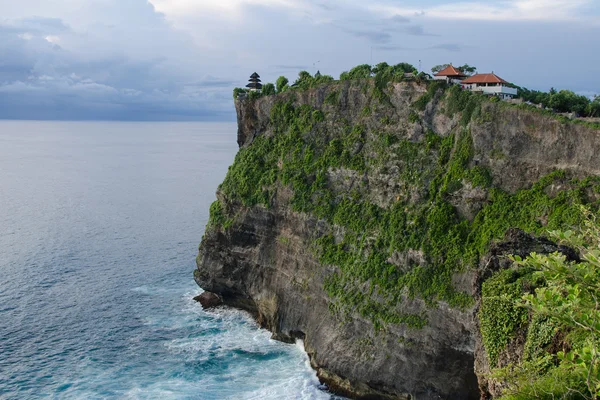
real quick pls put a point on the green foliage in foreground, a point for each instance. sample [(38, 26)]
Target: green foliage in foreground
[(305, 151), (500, 314), (565, 309)]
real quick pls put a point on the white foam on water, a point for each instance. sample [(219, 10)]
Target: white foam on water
[(255, 366), (208, 355)]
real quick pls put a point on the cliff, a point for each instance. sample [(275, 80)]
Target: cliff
[(364, 219)]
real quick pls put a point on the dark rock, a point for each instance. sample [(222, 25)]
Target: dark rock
[(209, 300)]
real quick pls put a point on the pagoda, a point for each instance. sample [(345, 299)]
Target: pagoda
[(254, 85)]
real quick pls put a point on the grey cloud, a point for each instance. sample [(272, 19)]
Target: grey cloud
[(391, 48), (380, 31), (446, 46), (418, 30), (372, 36), (400, 19), (136, 68), (213, 82), (283, 67), (48, 25), (326, 7), (71, 97)]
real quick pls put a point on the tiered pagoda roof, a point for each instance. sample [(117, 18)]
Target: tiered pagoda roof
[(254, 82)]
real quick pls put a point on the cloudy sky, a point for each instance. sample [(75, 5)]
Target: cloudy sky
[(180, 59)]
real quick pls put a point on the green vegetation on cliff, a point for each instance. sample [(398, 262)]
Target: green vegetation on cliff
[(309, 154)]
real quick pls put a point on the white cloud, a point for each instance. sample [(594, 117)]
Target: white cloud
[(509, 10), (499, 10), (225, 9), (52, 39)]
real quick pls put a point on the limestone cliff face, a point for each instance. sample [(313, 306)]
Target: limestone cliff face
[(266, 266), (264, 259)]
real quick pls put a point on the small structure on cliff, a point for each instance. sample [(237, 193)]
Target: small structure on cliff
[(254, 85), (489, 84), (450, 74)]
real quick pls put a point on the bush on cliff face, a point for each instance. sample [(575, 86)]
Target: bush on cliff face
[(307, 150), (561, 312)]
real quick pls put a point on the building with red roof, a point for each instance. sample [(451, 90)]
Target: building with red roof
[(489, 84), (450, 74)]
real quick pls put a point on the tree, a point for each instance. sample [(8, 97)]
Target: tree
[(438, 68), (282, 84), (534, 96), (380, 67), (593, 109), (361, 72), (268, 89), (404, 68), (467, 69), (321, 79), (567, 101), (304, 80)]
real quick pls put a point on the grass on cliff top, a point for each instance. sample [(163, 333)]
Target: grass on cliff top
[(306, 151)]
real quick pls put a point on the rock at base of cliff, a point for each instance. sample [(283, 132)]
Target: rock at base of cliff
[(209, 300)]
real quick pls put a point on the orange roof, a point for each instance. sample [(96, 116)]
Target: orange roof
[(484, 78), (450, 71)]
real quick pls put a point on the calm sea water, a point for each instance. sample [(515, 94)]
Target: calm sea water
[(99, 228)]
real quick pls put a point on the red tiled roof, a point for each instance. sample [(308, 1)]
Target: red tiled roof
[(484, 78), (450, 71)]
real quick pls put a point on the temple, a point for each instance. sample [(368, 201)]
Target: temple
[(254, 85)]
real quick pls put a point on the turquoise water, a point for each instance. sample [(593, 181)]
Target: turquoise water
[(99, 228)]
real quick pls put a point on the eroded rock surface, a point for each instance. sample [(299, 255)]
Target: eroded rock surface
[(209, 300)]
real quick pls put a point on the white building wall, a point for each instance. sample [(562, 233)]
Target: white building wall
[(496, 90)]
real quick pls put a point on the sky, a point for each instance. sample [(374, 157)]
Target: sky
[(180, 59)]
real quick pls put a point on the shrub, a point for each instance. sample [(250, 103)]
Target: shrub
[(238, 91), (268, 89), (282, 84)]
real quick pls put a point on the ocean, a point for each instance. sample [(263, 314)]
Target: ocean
[(99, 228)]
